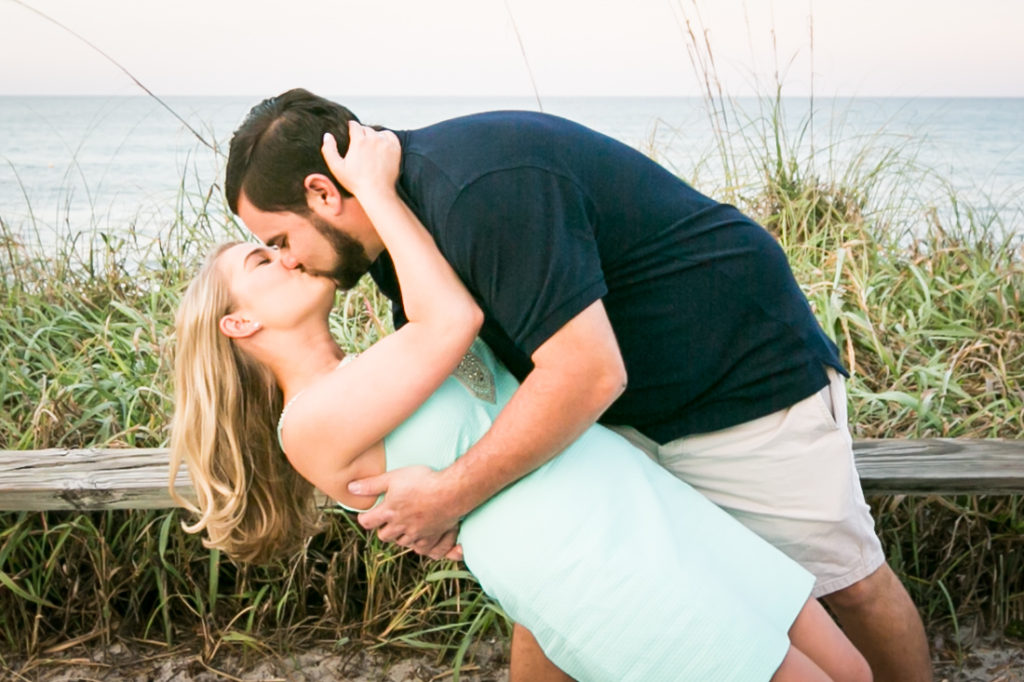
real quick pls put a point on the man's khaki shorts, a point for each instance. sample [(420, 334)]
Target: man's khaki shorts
[(790, 478)]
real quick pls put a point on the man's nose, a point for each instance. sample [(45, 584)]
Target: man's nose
[(288, 260)]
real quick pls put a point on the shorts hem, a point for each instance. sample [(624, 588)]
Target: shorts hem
[(865, 569)]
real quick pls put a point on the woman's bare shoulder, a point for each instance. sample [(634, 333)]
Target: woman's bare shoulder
[(328, 445)]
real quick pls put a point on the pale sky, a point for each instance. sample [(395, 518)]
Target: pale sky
[(915, 48)]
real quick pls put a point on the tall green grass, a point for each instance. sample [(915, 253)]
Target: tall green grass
[(922, 291), (922, 297), (85, 361)]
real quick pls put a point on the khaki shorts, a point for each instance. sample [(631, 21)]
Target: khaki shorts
[(789, 477)]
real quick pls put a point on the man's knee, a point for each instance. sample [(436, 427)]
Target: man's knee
[(880, 585)]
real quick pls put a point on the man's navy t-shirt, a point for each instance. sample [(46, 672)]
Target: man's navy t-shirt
[(541, 217)]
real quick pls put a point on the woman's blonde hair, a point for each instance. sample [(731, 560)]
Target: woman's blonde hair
[(252, 504)]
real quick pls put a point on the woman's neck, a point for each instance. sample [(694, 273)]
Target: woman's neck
[(302, 359)]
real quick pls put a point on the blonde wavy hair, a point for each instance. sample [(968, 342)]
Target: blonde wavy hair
[(252, 504)]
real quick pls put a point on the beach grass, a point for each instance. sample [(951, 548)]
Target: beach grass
[(921, 292)]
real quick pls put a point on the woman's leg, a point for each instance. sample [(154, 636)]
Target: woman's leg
[(797, 667), (816, 636), (528, 662)]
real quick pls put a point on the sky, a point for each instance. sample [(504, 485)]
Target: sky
[(916, 48)]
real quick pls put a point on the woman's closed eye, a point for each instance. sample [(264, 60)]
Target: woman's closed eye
[(257, 257)]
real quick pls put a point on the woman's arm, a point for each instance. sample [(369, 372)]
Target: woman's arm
[(345, 415)]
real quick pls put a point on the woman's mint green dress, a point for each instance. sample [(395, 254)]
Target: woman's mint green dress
[(620, 570)]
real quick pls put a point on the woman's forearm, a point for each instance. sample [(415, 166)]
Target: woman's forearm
[(432, 293)]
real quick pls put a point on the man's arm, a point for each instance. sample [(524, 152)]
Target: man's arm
[(578, 373)]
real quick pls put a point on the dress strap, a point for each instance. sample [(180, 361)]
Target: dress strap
[(280, 420)]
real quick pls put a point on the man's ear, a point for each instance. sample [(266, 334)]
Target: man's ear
[(235, 326), (322, 195)]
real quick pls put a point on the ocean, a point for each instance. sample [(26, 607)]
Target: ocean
[(71, 164)]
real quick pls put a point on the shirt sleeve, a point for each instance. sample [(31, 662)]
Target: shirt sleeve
[(524, 243)]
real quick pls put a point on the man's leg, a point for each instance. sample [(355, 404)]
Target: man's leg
[(790, 477), (528, 662), (876, 613)]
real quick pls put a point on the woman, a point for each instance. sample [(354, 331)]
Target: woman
[(641, 577)]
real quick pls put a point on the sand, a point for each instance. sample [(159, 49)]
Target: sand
[(142, 662), (986, 659)]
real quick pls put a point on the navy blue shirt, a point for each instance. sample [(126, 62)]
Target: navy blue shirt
[(541, 217)]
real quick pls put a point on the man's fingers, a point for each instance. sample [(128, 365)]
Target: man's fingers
[(448, 540), (374, 485), (443, 546), (455, 554), (375, 518), (388, 533)]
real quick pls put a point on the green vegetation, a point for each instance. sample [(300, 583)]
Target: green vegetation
[(921, 294), (85, 361)]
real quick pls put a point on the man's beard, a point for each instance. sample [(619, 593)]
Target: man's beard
[(352, 259)]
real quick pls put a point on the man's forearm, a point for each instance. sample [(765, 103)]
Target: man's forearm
[(547, 413), (578, 373)]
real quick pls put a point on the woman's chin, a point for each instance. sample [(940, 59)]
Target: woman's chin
[(326, 292)]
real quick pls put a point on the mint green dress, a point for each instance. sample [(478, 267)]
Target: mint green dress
[(661, 585)]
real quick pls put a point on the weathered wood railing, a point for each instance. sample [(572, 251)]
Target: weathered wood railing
[(32, 480)]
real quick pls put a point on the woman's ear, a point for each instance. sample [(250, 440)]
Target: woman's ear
[(235, 326), (322, 195)]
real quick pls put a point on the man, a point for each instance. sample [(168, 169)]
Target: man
[(593, 263)]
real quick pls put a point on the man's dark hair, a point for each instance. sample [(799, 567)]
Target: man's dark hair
[(278, 145)]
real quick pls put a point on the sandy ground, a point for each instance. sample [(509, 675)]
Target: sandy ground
[(133, 661), (317, 665), (988, 659)]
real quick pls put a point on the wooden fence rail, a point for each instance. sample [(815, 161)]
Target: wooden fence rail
[(34, 480)]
